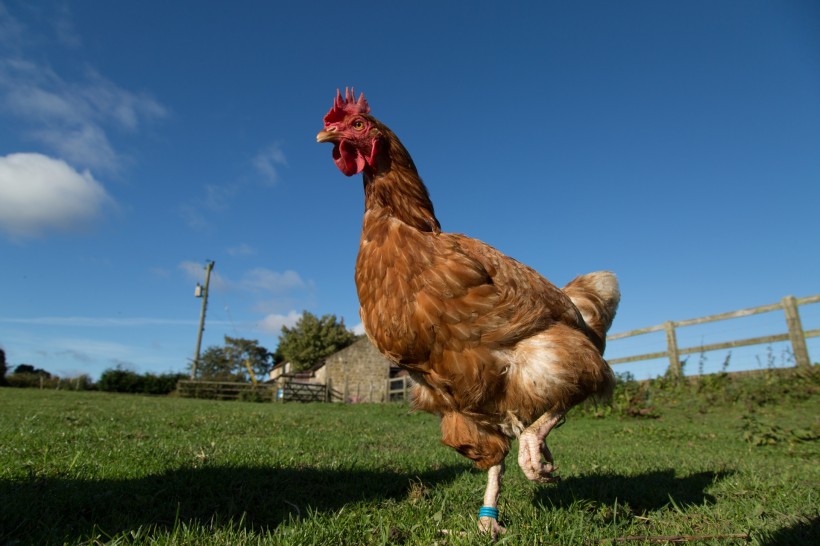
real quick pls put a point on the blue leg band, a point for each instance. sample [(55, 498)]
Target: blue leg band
[(488, 511)]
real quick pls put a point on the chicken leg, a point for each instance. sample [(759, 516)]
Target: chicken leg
[(487, 524), (532, 447)]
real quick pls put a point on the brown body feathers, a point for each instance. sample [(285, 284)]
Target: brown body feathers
[(491, 344)]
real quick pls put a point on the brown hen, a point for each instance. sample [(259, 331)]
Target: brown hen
[(494, 348)]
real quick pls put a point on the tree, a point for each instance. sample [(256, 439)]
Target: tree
[(29, 369), (239, 351), (3, 367), (26, 375), (214, 365), (228, 363), (313, 339)]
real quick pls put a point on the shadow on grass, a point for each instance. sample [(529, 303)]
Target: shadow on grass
[(800, 534), (54, 510), (641, 493)]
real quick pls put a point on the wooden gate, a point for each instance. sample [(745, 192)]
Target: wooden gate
[(291, 391)]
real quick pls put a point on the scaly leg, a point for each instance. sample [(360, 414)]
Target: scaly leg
[(487, 524), (532, 446)]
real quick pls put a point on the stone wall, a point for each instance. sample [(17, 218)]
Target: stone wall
[(358, 373)]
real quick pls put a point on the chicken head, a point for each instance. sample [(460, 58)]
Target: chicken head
[(356, 140)]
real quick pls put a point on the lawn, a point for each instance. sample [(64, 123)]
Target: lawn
[(723, 460)]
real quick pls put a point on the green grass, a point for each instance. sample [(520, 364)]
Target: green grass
[(91, 468)]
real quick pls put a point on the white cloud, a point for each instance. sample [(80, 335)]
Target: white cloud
[(265, 280), (242, 249), (11, 31), (193, 270), (64, 28), (216, 197), (80, 356), (71, 117), (213, 198), (268, 160), (85, 145), (273, 323), (196, 272), (99, 322), (86, 351), (272, 292), (39, 194), (358, 329), (89, 352), (257, 280), (107, 101), (193, 216)]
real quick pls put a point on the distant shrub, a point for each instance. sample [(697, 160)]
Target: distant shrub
[(120, 380), (32, 380), (40, 380), (162, 384), (255, 395), (705, 393), (79, 383)]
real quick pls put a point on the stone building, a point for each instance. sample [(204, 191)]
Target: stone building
[(358, 373)]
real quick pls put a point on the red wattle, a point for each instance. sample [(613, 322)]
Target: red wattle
[(349, 160)]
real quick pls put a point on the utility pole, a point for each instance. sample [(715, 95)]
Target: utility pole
[(201, 292)]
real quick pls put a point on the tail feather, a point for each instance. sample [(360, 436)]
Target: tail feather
[(596, 295)]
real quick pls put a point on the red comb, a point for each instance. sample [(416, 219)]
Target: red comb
[(343, 107)]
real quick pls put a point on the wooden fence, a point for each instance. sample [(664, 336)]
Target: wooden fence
[(286, 391), (789, 305), (398, 388)]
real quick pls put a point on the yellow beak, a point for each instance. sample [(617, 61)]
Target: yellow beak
[(327, 136)]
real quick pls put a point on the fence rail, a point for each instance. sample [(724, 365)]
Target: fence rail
[(398, 388), (287, 391), (796, 335)]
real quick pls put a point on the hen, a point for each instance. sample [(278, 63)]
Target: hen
[(494, 348)]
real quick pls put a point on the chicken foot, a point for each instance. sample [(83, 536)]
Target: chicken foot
[(532, 446), (487, 524)]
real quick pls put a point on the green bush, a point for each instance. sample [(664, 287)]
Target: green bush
[(255, 394), (705, 393), (32, 380), (120, 380)]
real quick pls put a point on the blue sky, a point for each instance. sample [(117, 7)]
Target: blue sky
[(675, 143)]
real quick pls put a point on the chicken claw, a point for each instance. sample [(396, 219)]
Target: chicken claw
[(532, 447), (490, 525)]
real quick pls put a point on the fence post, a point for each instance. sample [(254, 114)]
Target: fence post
[(801, 353), (672, 349)]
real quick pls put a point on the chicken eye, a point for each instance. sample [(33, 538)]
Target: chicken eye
[(358, 125)]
